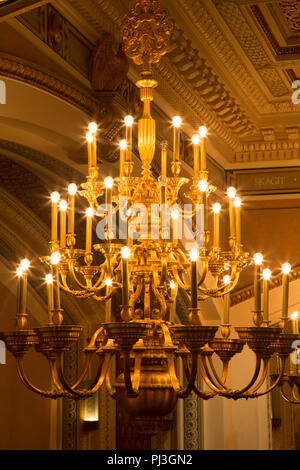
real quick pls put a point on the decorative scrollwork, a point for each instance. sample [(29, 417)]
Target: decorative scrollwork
[(146, 31)]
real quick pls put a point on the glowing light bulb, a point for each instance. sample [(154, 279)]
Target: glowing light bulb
[(55, 197), (123, 144), (93, 127), (258, 259), (125, 252), (295, 315), (203, 186), (19, 272), (217, 208), (237, 202), (89, 212), (172, 284), (109, 182), (226, 279), (72, 189), (203, 132), (286, 268), (24, 264), (231, 192), (196, 139), (89, 137), (55, 258), (267, 274), (177, 121), (194, 254), (49, 279), (63, 205), (128, 121), (174, 214), (108, 282)]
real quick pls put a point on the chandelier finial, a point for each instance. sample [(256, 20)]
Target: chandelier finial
[(146, 31)]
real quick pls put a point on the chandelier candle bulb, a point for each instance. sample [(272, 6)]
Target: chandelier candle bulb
[(216, 210), (226, 308), (237, 207), (164, 157), (194, 255), (89, 139), (108, 201), (22, 290), (125, 253), (203, 134), (286, 269), (231, 193), (295, 322), (89, 225), (258, 259), (196, 144), (123, 146), (108, 304), (72, 190), (266, 285), (56, 289), (54, 214), (128, 124), (50, 295), (177, 121), (63, 222)]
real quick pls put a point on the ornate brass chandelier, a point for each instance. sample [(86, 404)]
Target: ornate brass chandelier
[(150, 269)]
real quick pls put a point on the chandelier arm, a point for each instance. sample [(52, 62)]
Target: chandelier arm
[(130, 387), (294, 394), (215, 380), (204, 272), (104, 298), (287, 399), (274, 384), (54, 375), (221, 381), (78, 293), (27, 383), (263, 376), (205, 377), (98, 285), (72, 271), (178, 280), (201, 394), (88, 357), (252, 381), (110, 389), (220, 291), (183, 392)]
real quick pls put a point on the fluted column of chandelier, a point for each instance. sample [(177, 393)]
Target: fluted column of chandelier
[(151, 270)]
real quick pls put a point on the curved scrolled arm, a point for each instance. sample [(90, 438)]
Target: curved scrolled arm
[(132, 386), (294, 401), (47, 394), (200, 393), (274, 384), (180, 391)]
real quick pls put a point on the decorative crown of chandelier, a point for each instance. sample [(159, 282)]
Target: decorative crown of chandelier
[(150, 264)]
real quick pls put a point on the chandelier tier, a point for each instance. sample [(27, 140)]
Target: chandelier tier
[(150, 269)]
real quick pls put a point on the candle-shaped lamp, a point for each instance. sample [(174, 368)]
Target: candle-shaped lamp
[(237, 208), (55, 197), (123, 147), (89, 225), (164, 157), (286, 269), (93, 128), (203, 135), (129, 123), (258, 259), (173, 288), (216, 211), (177, 121), (109, 182), (55, 260), (49, 282), (295, 322), (266, 277), (89, 138), (125, 253), (63, 206), (22, 285), (72, 190), (196, 144), (194, 255), (231, 193), (203, 187), (226, 282), (108, 283)]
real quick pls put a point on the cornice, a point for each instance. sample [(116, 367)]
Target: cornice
[(14, 67)]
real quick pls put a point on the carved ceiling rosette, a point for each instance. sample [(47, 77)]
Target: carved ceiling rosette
[(146, 32)]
